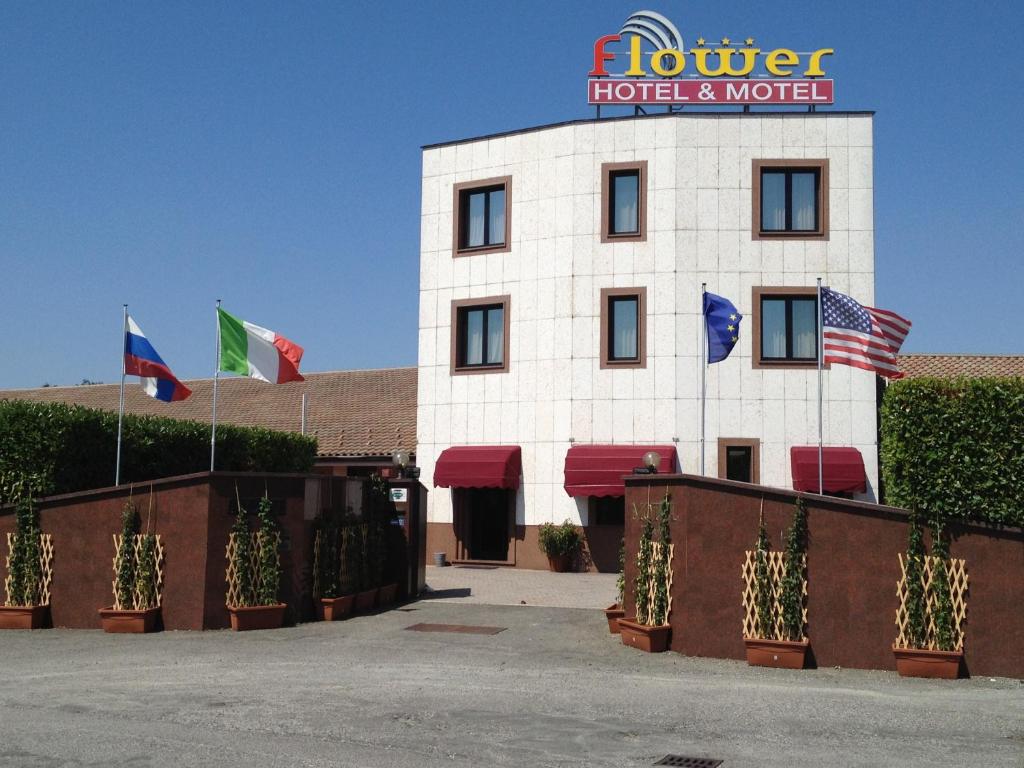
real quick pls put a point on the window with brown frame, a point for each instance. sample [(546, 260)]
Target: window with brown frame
[(739, 458), (790, 199), (480, 334), (785, 327), (624, 202), (482, 216), (623, 327)]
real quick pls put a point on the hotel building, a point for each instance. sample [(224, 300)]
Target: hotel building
[(560, 316)]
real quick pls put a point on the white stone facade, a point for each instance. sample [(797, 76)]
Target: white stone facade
[(698, 230)]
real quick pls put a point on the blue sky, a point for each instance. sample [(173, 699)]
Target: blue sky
[(167, 154)]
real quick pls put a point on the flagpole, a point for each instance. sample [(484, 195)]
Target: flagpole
[(821, 355), (216, 378), (703, 370), (120, 405)]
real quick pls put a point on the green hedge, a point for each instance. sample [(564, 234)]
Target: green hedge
[(71, 448), (955, 448)]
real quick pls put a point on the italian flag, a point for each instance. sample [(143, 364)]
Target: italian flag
[(249, 350)]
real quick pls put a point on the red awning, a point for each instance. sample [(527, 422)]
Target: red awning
[(842, 469), (479, 466), (597, 470)]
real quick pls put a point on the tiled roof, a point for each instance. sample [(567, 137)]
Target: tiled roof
[(951, 366), (351, 413)]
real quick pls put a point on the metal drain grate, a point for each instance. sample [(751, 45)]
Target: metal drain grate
[(460, 629), (689, 762)]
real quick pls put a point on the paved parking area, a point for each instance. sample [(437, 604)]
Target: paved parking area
[(552, 689), (493, 585)]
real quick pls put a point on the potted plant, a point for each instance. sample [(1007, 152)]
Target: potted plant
[(560, 543), (930, 642), (652, 587), (775, 637), (29, 561), (331, 602), (253, 586), (136, 605), (614, 612)]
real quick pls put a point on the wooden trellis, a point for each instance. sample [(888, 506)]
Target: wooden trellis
[(234, 597), (45, 568), (343, 563), (776, 576), (316, 564), (652, 586), (317, 545), (138, 604), (956, 570)]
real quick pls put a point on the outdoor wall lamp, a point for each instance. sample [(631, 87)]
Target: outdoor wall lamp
[(652, 459), (400, 459)]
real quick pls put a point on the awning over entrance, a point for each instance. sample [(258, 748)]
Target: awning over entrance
[(597, 470), (479, 466), (842, 469)]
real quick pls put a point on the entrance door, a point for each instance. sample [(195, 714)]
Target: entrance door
[(483, 523), (606, 520)]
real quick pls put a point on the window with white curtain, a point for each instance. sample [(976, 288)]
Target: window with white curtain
[(789, 328), (624, 201), (480, 334), (624, 321), (481, 215), (623, 327), (790, 198), (483, 212)]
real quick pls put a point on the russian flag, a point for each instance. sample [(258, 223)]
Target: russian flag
[(140, 359)]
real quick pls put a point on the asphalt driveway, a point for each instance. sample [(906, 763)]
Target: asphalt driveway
[(552, 689)]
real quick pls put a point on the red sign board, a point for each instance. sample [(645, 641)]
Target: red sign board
[(646, 91)]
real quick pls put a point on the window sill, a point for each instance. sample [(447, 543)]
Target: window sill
[(758, 235), (466, 369), (632, 237), (623, 364), (789, 364), (503, 248)]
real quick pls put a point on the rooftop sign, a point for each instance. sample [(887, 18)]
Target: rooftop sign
[(704, 74)]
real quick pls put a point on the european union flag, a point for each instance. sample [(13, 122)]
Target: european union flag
[(723, 324)]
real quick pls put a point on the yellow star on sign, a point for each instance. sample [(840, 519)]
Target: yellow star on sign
[(700, 41), (750, 42), (725, 41)]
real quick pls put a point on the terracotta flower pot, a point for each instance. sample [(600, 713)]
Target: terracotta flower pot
[(244, 618), (386, 594), (919, 662), (650, 639), (23, 617), (613, 613), (560, 563), (366, 600), (128, 622), (334, 608), (781, 654)]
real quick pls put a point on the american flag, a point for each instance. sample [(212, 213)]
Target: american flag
[(863, 337)]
